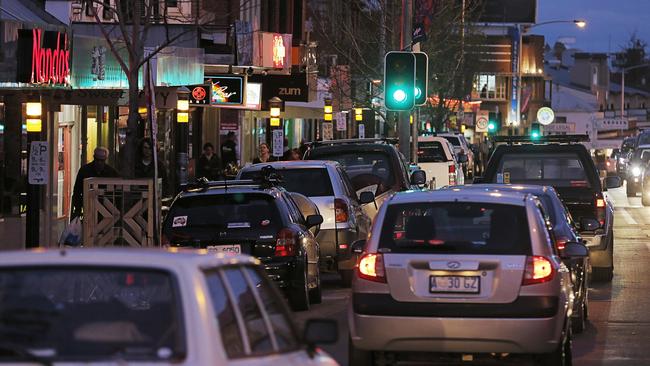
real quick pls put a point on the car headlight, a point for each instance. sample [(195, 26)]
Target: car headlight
[(636, 171), (622, 160)]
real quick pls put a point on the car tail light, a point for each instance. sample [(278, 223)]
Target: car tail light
[(560, 243), (600, 210), (538, 270), (452, 175), (371, 267), (340, 210), (286, 243)]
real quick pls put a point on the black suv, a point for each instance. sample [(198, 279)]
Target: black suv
[(254, 218), (373, 165), (560, 162)]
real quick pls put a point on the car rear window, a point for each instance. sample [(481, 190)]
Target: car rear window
[(454, 140), (431, 152), (553, 169), (213, 217), (367, 169), (311, 182), (456, 227), (90, 314)]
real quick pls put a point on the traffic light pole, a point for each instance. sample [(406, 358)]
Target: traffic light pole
[(404, 116)]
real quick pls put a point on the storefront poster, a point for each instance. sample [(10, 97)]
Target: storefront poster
[(328, 131)]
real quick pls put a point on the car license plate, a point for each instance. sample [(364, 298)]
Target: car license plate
[(463, 284), (226, 249)]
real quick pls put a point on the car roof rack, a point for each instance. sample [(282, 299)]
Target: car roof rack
[(563, 139), (267, 178), (386, 140)]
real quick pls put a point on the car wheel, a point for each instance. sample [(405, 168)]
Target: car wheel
[(346, 277), (316, 293), (645, 198), (579, 320), (358, 356), (299, 293), (562, 356)]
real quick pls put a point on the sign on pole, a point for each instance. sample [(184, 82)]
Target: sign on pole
[(278, 143), (38, 163), (362, 131), (482, 120), (340, 122)]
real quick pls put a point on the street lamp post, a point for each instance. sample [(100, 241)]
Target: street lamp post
[(182, 120), (34, 127), (623, 71), (580, 23)]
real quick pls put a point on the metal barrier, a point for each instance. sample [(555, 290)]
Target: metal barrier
[(120, 212)]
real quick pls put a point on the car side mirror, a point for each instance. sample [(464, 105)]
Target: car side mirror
[(366, 197), (320, 331), (574, 249), (419, 177), (589, 224), (462, 158), (613, 182), (314, 220), (357, 246)]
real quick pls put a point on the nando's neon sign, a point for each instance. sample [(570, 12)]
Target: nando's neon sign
[(50, 65)]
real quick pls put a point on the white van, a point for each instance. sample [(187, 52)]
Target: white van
[(437, 158)]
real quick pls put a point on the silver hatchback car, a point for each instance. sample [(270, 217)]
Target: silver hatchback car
[(462, 273)]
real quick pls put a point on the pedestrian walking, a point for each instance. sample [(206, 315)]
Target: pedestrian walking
[(229, 150), (144, 167), (264, 154), (96, 168), (209, 165)]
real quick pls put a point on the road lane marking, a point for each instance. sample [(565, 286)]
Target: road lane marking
[(628, 218)]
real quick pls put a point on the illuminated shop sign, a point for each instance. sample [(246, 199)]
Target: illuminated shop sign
[(44, 57)]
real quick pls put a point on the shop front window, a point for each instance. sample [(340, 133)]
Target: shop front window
[(489, 86)]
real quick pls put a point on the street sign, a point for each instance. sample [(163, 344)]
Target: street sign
[(545, 116), (482, 119), (278, 143), (611, 123), (568, 127), (38, 163), (362, 131), (340, 122)]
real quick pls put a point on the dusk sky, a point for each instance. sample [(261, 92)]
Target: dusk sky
[(606, 19)]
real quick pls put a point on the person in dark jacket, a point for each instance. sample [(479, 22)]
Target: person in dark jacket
[(144, 167), (209, 165), (229, 150), (96, 168)]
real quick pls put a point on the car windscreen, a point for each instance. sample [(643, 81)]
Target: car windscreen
[(644, 139), (369, 170), (213, 217), (90, 314), (456, 227), (552, 169), (453, 139), (311, 182), (641, 155), (431, 152)]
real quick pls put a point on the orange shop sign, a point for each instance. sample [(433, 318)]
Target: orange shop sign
[(273, 50)]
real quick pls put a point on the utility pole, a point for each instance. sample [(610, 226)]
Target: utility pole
[(404, 127)]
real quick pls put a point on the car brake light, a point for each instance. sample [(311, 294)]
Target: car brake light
[(600, 203), (600, 210), (371, 267), (285, 245), (340, 210), (452, 169), (538, 270), (560, 243)]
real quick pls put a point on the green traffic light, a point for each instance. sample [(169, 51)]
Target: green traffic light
[(418, 92), (492, 126), (399, 95), (534, 135)]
